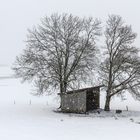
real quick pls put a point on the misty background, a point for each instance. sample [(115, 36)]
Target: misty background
[(17, 16)]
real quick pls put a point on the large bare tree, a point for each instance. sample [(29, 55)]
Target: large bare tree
[(120, 71), (60, 52)]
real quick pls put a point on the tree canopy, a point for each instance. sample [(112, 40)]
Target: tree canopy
[(60, 52)]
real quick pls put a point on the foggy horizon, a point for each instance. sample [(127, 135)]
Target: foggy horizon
[(18, 16)]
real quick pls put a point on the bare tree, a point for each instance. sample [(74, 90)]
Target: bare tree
[(60, 52), (121, 69)]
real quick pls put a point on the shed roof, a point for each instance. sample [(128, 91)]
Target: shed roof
[(83, 89)]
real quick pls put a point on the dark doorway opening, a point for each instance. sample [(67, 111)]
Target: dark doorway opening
[(92, 101)]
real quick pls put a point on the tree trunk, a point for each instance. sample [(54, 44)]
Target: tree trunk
[(107, 104), (61, 92), (60, 102), (63, 89)]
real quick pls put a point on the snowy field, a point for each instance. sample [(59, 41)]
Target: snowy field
[(25, 117)]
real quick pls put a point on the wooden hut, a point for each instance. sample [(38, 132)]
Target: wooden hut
[(81, 100)]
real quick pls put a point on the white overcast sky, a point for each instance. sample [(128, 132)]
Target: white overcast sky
[(18, 15)]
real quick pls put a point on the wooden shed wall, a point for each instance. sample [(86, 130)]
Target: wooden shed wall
[(74, 102), (93, 99)]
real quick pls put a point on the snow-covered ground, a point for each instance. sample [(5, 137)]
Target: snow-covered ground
[(25, 117)]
